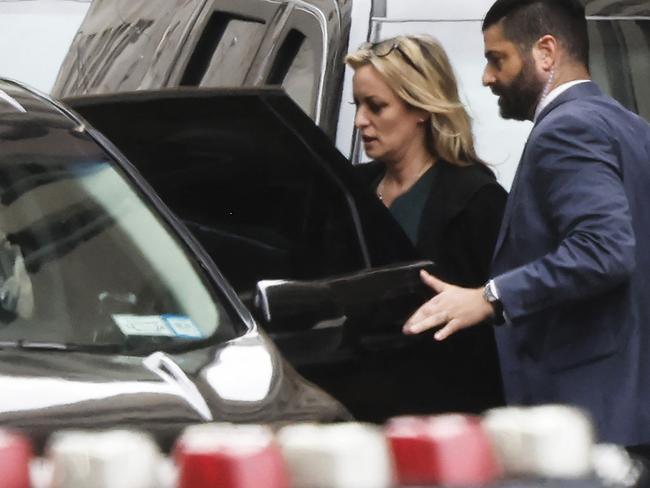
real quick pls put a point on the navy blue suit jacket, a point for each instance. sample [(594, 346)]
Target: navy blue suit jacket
[(572, 265)]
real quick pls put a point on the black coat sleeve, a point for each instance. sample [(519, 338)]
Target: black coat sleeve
[(472, 235)]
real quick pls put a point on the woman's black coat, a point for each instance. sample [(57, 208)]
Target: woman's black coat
[(458, 230), (460, 220)]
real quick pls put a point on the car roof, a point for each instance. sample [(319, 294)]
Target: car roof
[(20, 105)]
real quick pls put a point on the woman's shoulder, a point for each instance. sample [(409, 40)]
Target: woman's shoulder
[(468, 178)]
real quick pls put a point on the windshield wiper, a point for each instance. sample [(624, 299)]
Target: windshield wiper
[(56, 346), (121, 349), (25, 344)]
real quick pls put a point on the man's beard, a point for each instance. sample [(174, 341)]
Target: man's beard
[(519, 99)]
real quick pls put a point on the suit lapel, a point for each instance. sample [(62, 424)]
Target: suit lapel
[(507, 214), (578, 91)]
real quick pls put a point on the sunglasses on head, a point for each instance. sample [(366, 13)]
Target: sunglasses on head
[(382, 49)]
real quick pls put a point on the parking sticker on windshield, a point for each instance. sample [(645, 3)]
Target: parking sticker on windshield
[(147, 325), (183, 326)]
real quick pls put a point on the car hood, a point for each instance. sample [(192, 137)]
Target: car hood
[(48, 391), (242, 381)]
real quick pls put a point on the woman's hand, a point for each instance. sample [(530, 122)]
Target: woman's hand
[(453, 307)]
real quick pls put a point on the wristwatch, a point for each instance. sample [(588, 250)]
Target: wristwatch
[(490, 296), (489, 293)]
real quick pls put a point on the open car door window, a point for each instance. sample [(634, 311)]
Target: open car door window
[(262, 188)]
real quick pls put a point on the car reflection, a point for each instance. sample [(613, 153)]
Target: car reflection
[(37, 394), (232, 382)]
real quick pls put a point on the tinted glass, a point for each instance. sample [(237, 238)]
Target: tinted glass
[(620, 64), (266, 214), (224, 51), (245, 171), (85, 259), (297, 65), (498, 141), (620, 60), (295, 70)]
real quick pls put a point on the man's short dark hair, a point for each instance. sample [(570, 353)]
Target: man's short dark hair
[(525, 21)]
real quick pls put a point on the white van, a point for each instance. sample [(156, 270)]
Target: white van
[(619, 32), (300, 44)]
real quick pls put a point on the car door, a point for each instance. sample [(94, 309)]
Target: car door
[(270, 198)]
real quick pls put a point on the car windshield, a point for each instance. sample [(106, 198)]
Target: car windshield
[(85, 258)]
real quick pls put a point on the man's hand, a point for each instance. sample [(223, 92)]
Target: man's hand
[(454, 307)]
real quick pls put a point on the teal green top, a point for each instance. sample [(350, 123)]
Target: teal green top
[(407, 208)]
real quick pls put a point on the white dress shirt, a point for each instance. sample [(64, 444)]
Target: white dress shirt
[(553, 94)]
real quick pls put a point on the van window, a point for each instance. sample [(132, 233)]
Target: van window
[(297, 63), (620, 61), (295, 68), (224, 52), (499, 142), (620, 64)]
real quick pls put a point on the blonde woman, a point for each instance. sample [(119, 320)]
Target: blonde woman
[(426, 172)]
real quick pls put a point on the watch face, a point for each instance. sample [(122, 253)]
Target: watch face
[(488, 295)]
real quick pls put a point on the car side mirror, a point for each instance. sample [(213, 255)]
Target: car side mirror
[(286, 305), (377, 300)]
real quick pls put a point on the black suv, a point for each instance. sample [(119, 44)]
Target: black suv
[(111, 314)]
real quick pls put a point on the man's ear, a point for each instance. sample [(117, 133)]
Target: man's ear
[(545, 52)]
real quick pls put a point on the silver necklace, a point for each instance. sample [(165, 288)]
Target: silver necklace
[(380, 186)]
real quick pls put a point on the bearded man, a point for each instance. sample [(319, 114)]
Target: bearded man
[(571, 268)]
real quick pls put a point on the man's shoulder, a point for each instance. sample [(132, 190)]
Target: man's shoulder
[(598, 115), (594, 110)]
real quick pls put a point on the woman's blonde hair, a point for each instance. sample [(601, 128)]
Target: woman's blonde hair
[(417, 69)]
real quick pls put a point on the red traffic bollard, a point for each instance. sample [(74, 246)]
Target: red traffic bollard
[(451, 450), (15, 455), (229, 456)]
